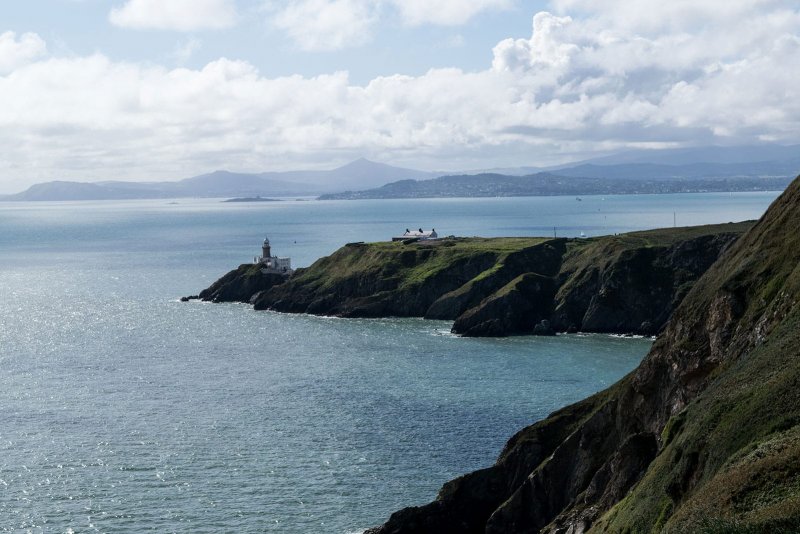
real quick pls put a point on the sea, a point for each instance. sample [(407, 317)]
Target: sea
[(125, 410)]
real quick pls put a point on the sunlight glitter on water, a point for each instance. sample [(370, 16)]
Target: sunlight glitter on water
[(124, 409)]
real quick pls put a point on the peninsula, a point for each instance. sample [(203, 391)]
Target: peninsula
[(627, 283)]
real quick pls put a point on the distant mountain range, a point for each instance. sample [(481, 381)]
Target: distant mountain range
[(359, 174), (756, 159), (744, 168), (548, 184), (750, 168)]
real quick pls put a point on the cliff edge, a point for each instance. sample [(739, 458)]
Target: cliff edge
[(704, 436)]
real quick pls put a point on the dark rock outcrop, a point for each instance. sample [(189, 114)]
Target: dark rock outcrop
[(544, 259), (704, 436), (242, 284), (543, 328), (611, 287), (518, 307), (628, 283)]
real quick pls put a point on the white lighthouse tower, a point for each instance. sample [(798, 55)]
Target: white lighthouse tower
[(265, 249), (273, 264)]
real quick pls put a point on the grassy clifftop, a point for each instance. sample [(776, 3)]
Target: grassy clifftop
[(392, 278), (411, 264), (704, 436)]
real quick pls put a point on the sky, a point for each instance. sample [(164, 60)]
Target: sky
[(150, 90)]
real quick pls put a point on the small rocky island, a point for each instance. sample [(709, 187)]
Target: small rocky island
[(627, 283), (252, 199)]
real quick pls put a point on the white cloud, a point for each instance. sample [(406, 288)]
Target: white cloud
[(17, 52), (185, 50), (550, 46), (327, 24), (444, 12), (578, 84), (178, 15), (323, 25), (652, 16)]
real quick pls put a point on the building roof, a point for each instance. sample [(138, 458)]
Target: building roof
[(417, 234)]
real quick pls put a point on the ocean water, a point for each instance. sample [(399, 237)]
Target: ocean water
[(124, 410)]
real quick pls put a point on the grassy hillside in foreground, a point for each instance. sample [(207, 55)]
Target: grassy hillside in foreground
[(704, 436), (731, 458)]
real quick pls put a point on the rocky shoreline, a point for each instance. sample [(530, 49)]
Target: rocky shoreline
[(623, 284)]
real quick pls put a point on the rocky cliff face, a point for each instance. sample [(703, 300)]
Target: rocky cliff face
[(493, 287), (704, 436), (241, 284)]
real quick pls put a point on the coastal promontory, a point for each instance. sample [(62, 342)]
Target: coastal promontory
[(627, 283)]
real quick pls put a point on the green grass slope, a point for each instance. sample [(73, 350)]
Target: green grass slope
[(391, 278), (730, 459), (626, 283)]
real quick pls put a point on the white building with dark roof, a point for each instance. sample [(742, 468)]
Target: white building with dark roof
[(420, 235)]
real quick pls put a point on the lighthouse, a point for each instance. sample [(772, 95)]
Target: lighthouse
[(273, 264), (265, 250)]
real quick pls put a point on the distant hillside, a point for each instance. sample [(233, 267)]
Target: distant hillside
[(544, 184), (359, 174), (696, 162), (60, 190), (217, 184), (745, 168)]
